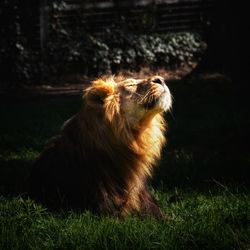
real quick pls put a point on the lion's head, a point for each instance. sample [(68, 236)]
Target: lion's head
[(129, 103)]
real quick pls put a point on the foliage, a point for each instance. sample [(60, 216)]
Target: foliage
[(166, 50), (117, 50), (18, 61), (71, 49)]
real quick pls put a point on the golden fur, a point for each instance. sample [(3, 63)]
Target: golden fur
[(104, 155)]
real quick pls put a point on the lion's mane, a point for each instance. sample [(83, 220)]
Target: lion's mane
[(99, 162)]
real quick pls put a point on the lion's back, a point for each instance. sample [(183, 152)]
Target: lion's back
[(61, 178)]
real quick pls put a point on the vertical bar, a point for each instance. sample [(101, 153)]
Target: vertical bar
[(43, 24), (43, 20)]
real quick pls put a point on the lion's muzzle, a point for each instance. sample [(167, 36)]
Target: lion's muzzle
[(159, 97)]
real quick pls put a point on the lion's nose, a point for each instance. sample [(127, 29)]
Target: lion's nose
[(158, 80)]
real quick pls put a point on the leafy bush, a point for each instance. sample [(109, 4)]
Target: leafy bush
[(117, 50), (71, 50), (18, 61)]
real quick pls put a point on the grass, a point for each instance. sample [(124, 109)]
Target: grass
[(202, 183), (195, 222)]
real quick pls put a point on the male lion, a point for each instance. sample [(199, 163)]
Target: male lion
[(104, 155)]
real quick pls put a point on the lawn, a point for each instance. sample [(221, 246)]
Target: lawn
[(196, 221), (201, 183)]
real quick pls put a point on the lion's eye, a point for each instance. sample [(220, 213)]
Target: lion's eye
[(130, 87)]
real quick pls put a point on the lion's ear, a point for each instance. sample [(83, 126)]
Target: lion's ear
[(96, 94)]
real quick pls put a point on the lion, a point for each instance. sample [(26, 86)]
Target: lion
[(104, 155)]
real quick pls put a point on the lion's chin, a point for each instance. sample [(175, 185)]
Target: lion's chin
[(160, 104), (164, 102)]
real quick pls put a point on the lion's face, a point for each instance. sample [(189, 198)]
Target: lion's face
[(143, 98), (136, 100)]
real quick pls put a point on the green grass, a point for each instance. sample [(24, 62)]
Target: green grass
[(197, 221), (202, 182)]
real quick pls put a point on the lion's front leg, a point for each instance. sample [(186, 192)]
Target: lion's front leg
[(149, 205)]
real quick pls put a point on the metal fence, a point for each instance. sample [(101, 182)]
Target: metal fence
[(158, 16)]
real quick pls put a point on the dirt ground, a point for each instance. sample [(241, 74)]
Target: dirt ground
[(71, 88)]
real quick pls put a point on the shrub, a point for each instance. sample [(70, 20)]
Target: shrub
[(18, 61), (71, 50), (117, 51)]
